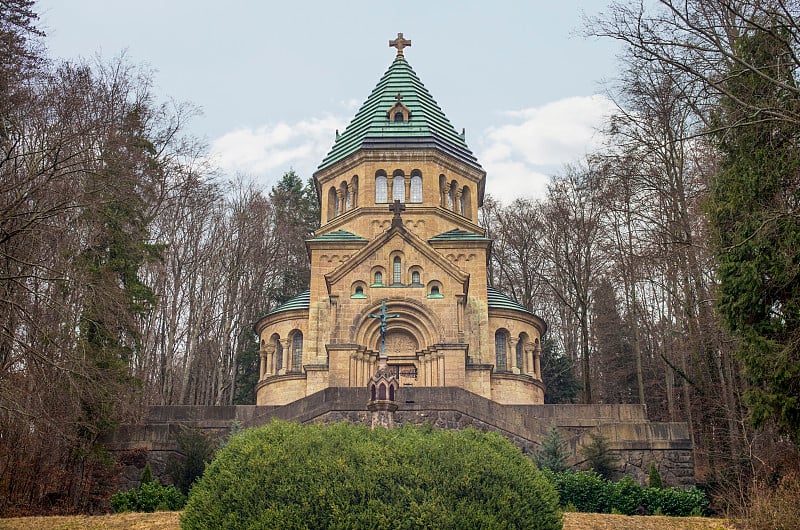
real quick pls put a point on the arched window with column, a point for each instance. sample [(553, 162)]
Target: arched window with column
[(380, 187), (399, 186), (332, 203), (521, 361), (276, 342), (416, 186), (466, 202), (297, 351), (501, 350)]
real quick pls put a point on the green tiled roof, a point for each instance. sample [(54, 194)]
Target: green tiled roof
[(301, 301), (458, 235), (339, 235), (498, 300), (427, 127)]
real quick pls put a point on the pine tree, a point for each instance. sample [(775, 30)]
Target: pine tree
[(553, 455), (756, 228)]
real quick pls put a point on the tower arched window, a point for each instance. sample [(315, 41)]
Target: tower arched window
[(520, 354), (396, 270), (416, 187), (380, 187), (500, 351), (415, 277), (399, 187), (297, 352), (378, 278)]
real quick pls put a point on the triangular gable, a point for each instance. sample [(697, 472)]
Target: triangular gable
[(413, 240)]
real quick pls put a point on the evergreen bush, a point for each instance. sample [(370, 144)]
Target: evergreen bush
[(587, 491), (654, 477), (197, 450), (149, 497), (286, 475), (553, 455)]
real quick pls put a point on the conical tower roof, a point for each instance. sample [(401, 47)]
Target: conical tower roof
[(374, 128)]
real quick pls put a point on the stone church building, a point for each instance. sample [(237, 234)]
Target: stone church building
[(400, 191), (399, 303)]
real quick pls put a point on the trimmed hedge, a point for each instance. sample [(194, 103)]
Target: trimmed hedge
[(587, 491), (286, 475)]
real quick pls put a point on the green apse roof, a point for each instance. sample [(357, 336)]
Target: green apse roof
[(458, 235), (301, 301), (373, 128), (339, 235), (498, 300)]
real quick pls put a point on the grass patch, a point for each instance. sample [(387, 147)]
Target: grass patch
[(170, 521)]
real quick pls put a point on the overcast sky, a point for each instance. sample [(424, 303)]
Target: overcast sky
[(276, 79)]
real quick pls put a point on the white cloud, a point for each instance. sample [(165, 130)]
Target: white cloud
[(268, 151), (520, 155)]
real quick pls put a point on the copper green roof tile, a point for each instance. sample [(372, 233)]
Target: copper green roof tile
[(498, 300), (339, 235), (458, 235), (301, 301), (427, 127)]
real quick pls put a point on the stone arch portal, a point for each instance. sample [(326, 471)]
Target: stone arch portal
[(415, 327)]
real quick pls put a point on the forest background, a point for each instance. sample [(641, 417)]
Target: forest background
[(666, 264)]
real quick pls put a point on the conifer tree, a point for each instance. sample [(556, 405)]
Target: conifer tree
[(756, 227), (553, 455)]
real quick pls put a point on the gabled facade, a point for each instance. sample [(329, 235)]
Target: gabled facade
[(399, 192)]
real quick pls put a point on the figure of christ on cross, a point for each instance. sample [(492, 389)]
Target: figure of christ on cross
[(384, 316)]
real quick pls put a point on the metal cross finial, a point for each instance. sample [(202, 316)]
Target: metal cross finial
[(399, 43)]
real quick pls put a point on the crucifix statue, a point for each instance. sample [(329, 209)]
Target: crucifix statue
[(399, 43), (384, 316)]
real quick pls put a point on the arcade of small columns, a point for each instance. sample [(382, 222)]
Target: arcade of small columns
[(531, 357), (430, 368), (430, 365)]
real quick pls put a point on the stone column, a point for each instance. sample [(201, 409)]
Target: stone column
[(512, 345), (460, 303), (538, 356), (457, 202), (390, 188), (530, 368), (285, 344), (421, 370), (262, 365), (408, 187), (352, 376), (440, 370)]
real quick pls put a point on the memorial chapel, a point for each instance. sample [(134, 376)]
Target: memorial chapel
[(399, 265)]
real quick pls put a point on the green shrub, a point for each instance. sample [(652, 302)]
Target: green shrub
[(599, 457), (553, 454), (654, 477), (149, 497), (197, 450), (346, 476), (587, 491)]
